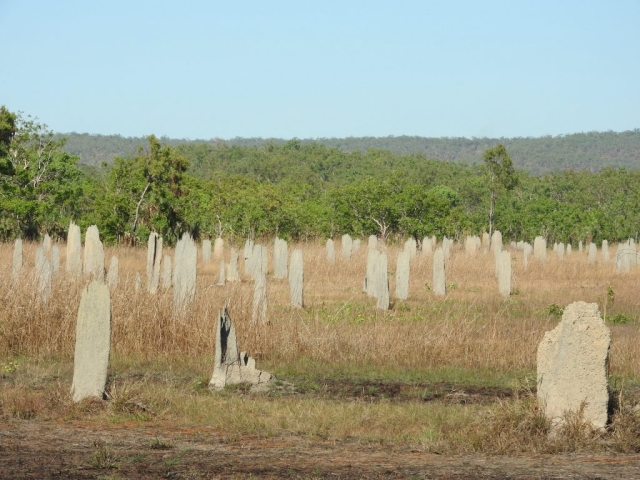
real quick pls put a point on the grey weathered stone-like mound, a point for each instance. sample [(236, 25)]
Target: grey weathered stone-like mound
[(258, 261), (526, 252), (218, 248), (580, 246), (382, 282), (496, 261), (486, 240), (347, 246), (74, 251), (93, 254), (369, 277), (540, 249), (504, 274), (17, 259), (625, 256), (633, 260), (411, 247), (403, 266), (280, 257), (259, 310), (605, 251), (206, 251), (233, 274), (446, 247), (55, 259), (184, 272), (43, 274), (252, 262), (496, 242), (154, 257), (47, 243), (246, 255), (592, 253), (470, 246), (230, 365), (569, 249), (137, 282), (372, 242), (496, 249), (40, 259), (113, 274), (93, 340), (573, 366), (167, 273), (221, 274), (439, 286), (427, 246), (331, 251), (296, 279)]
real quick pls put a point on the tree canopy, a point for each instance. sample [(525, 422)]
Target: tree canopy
[(298, 190)]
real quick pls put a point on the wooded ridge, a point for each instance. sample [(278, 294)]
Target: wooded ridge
[(590, 151)]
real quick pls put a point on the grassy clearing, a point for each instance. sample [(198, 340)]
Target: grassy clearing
[(425, 348)]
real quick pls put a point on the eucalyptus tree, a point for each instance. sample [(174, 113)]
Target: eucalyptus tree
[(501, 176), (40, 184)]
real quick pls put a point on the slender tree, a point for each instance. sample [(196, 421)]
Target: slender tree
[(501, 176)]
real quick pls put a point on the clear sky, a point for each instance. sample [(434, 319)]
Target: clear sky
[(206, 69)]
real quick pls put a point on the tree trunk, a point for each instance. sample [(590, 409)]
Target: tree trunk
[(491, 208), (135, 220)]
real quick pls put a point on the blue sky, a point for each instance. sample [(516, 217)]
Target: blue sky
[(207, 69)]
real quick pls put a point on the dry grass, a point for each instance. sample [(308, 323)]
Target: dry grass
[(161, 362)]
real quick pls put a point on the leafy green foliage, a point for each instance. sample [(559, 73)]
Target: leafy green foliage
[(146, 193), (620, 318), (40, 184), (301, 189), (554, 310), (501, 176)]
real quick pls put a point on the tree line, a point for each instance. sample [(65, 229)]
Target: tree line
[(591, 151), (299, 191)]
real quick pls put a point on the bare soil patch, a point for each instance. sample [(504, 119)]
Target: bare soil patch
[(76, 450), (375, 390)]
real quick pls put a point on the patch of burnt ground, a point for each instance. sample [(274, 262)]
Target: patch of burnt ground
[(375, 390)]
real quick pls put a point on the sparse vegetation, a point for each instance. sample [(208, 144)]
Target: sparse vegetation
[(555, 310), (445, 375)]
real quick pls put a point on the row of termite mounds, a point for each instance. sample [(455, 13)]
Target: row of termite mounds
[(376, 283), (572, 358), (179, 273), (164, 272)]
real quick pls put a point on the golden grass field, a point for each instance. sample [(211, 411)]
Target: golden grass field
[(446, 349)]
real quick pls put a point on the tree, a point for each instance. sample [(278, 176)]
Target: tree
[(501, 175), (146, 192), (40, 184), (368, 206), (7, 131)]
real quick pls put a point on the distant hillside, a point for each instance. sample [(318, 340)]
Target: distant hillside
[(591, 151)]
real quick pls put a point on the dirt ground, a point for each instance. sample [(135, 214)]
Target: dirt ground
[(32, 449)]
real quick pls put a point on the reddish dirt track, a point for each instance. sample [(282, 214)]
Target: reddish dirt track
[(76, 450)]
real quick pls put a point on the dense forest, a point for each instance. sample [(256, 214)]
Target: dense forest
[(591, 151), (301, 190)]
